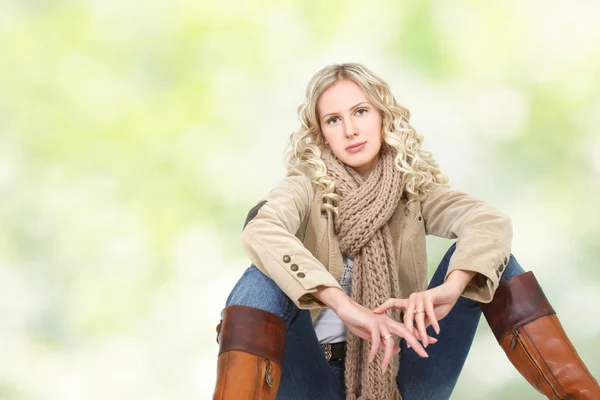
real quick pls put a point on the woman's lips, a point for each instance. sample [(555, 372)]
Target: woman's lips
[(355, 148)]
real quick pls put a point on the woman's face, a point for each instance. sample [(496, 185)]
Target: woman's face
[(351, 125)]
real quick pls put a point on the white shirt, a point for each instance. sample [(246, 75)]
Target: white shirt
[(329, 327)]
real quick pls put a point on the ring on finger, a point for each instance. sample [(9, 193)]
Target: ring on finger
[(419, 311), (388, 336)]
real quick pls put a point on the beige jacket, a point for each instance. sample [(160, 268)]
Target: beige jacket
[(288, 238)]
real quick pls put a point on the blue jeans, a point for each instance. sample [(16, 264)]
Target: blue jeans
[(306, 373)]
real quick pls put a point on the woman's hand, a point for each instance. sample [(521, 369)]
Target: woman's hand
[(425, 308), (364, 323), (369, 326)]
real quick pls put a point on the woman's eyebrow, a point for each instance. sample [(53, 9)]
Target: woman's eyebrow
[(351, 108)]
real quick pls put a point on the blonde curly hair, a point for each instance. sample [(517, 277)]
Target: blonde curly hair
[(417, 165)]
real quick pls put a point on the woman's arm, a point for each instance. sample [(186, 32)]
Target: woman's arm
[(270, 242), (483, 247), (459, 279), (484, 237)]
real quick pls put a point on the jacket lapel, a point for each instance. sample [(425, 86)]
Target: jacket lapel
[(396, 227), (336, 263)]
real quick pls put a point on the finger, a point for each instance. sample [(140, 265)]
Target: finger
[(411, 340), (417, 347), (427, 321), (420, 319), (391, 303), (409, 315), (364, 334), (431, 339), (388, 348), (431, 319), (375, 342)]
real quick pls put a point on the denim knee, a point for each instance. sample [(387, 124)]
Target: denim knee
[(513, 268), (440, 273), (255, 289)]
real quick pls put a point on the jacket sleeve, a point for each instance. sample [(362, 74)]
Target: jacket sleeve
[(484, 237), (270, 242)]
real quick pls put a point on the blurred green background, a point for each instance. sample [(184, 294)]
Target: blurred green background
[(135, 136)]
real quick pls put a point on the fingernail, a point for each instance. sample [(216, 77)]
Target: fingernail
[(425, 344), (408, 345)]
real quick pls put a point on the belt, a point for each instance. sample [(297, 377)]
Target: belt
[(334, 351)]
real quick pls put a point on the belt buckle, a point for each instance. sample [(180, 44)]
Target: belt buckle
[(326, 347)]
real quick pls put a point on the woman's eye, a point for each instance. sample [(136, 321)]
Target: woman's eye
[(361, 111), (332, 120)]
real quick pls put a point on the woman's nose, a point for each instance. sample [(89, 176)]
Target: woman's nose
[(350, 129)]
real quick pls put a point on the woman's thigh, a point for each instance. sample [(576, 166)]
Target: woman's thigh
[(255, 289), (435, 377), (513, 268), (305, 371)]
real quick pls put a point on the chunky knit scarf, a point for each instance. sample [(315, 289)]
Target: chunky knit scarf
[(365, 207)]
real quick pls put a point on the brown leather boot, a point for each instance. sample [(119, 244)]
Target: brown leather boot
[(251, 343), (532, 337)]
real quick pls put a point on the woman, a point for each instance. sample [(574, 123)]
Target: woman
[(336, 304)]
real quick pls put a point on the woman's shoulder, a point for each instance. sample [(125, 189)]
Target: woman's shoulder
[(297, 183), (302, 169), (303, 173)]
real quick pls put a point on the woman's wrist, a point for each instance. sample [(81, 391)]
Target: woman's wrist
[(332, 297), (459, 279)]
